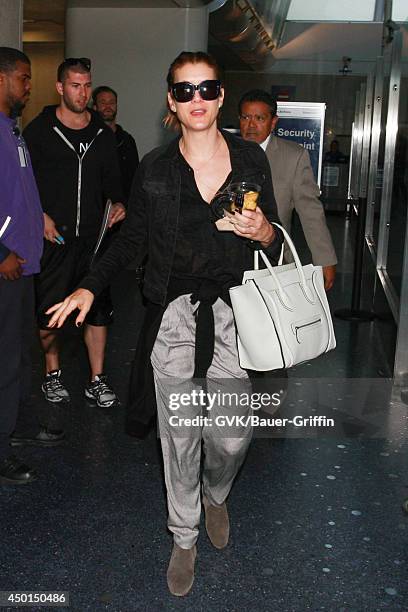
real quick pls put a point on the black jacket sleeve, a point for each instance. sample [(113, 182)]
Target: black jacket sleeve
[(111, 178), (269, 209), (132, 154), (128, 161), (129, 244)]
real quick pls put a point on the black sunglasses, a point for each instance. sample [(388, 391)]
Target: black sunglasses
[(184, 91), (74, 61)]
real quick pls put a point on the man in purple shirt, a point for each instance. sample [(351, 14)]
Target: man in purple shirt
[(21, 231)]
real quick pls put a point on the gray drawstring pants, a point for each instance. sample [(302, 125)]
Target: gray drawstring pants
[(179, 397)]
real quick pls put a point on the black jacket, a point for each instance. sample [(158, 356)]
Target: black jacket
[(150, 227), (128, 158), (73, 189)]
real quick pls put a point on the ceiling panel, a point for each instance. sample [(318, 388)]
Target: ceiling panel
[(309, 42), (329, 41)]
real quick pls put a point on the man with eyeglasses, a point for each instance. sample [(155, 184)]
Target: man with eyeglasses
[(77, 172), (293, 180)]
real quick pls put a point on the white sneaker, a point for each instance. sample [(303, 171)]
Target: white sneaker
[(53, 389), (99, 392)]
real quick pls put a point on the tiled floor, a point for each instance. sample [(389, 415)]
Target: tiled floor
[(316, 522)]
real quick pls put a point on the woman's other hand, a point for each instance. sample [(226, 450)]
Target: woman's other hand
[(81, 299), (253, 225), (117, 213)]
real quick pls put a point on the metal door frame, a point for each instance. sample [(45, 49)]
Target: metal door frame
[(389, 156), (355, 152), (366, 136), (374, 151), (401, 350)]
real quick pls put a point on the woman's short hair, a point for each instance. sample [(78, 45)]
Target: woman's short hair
[(188, 57)]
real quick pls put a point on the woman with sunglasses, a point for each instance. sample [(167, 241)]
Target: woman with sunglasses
[(187, 347)]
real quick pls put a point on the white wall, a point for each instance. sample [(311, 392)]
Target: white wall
[(131, 50), (11, 23)]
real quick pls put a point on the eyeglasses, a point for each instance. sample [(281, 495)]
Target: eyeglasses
[(74, 61), (257, 118), (184, 91)]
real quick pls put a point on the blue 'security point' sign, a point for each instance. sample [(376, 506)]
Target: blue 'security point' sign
[(303, 122)]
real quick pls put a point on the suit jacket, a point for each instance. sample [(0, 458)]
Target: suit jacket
[(295, 189)]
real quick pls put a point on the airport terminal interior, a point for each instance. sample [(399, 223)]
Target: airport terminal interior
[(319, 518)]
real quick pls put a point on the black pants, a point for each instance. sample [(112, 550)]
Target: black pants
[(62, 269), (16, 329)]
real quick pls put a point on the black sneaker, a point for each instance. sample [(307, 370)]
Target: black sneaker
[(100, 393), (14, 471), (53, 389), (45, 438)]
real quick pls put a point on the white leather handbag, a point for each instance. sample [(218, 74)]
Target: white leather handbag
[(281, 314)]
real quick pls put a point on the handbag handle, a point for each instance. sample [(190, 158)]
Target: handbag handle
[(298, 264), (280, 261)]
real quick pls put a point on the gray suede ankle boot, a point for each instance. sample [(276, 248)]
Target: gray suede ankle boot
[(180, 573), (216, 523)]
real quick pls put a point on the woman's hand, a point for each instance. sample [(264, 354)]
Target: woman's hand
[(117, 213), (81, 299), (253, 225)]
